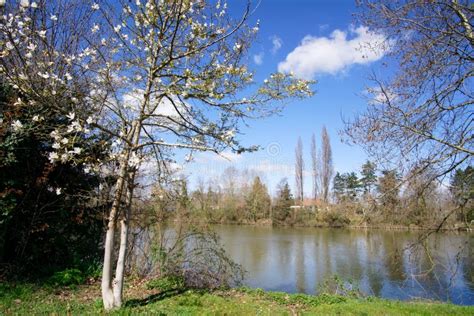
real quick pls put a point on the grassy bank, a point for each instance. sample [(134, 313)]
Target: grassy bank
[(85, 299)]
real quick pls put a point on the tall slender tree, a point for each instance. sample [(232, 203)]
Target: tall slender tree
[(326, 165), (299, 171), (314, 165)]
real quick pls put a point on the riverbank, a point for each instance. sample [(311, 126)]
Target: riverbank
[(388, 227), (22, 299)]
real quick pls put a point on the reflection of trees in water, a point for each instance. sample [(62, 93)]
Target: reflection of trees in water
[(300, 267), (394, 256), (437, 267)]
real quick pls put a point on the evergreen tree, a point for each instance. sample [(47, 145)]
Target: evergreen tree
[(462, 189), (281, 210), (352, 185), (389, 189), (339, 186), (369, 178)]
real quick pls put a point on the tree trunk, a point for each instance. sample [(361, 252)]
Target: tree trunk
[(107, 289), (120, 269), (112, 291)]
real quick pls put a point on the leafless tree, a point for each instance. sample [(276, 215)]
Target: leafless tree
[(326, 165), (314, 165), (299, 171), (422, 116)]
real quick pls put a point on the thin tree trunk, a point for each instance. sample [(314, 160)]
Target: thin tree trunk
[(124, 224), (107, 290)]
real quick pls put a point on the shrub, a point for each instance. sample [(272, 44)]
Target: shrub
[(67, 277)]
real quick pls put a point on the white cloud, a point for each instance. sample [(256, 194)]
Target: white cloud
[(333, 54), (277, 43), (258, 58)]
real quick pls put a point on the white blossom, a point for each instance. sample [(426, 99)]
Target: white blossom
[(43, 75), (95, 28), (42, 34), (17, 125), (54, 18), (53, 156), (9, 46), (58, 191), (95, 6), (71, 115)]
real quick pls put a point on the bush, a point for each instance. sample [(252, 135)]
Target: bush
[(67, 277), (335, 219)]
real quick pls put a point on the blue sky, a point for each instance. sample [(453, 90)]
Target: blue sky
[(327, 55)]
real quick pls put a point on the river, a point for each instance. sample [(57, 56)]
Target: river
[(380, 263)]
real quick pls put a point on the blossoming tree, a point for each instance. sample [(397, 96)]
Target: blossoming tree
[(154, 75)]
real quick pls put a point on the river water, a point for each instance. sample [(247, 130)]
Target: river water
[(380, 263)]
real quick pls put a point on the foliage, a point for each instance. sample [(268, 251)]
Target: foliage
[(50, 214), (462, 189), (369, 177), (281, 209), (258, 201), (389, 188), (67, 277)]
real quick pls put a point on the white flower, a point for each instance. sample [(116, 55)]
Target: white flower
[(71, 115), (117, 28), (36, 118), (34, 5), (53, 157), (58, 191), (64, 140), (89, 120), (77, 150), (95, 6), (10, 46), (24, 3), (56, 145), (54, 18), (74, 100), (42, 34), (95, 28), (29, 55), (64, 157), (68, 76), (43, 75), (17, 125)]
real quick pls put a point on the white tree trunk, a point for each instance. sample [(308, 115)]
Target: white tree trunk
[(120, 269), (107, 288), (112, 288)]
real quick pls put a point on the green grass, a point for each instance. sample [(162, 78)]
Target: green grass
[(28, 299)]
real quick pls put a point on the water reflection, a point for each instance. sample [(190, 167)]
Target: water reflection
[(298, 259)]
